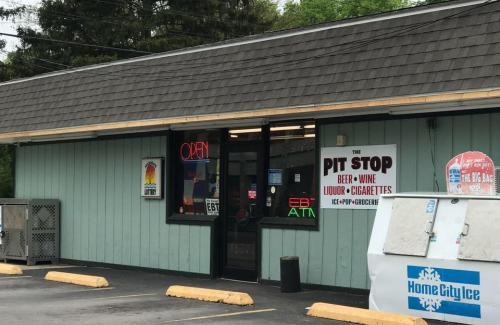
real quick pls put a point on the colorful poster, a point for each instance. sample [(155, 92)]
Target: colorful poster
[(355, 177), (151, 178), (471, 173)]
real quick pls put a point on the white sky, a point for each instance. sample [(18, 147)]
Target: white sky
[(10, 27)]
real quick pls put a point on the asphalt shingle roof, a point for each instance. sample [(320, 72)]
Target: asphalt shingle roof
[(403, 53)]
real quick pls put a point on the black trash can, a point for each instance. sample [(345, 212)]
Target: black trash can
[(290, 274)]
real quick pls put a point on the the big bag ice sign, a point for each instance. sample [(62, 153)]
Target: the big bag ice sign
[(354, 177), (471, 173)]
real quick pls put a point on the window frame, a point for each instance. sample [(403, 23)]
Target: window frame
[(265, 221), (172, 216), (290, 222)]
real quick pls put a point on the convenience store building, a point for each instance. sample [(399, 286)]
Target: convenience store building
[(211, 160)]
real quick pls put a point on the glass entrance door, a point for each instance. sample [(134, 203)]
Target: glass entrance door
[(242, 211)]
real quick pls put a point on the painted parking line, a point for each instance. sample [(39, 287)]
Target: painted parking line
[(128, 296), (223, 315), (49, 267), (16, 277), (91, 290)]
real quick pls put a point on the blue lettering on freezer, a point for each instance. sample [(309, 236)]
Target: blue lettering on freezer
[(447, 291)]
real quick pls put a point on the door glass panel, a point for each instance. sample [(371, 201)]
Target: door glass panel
[(480, 240), (242, 214), (410, 228)]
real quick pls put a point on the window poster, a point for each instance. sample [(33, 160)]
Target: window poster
[(355, 177), (151, 185), (212, 206), (275, 177)]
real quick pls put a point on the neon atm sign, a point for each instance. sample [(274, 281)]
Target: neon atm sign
[(194, 151), (301, 207)]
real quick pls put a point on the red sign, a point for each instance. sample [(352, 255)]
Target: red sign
[(252, 194), (197, 150), (471, 173), (300, 202)]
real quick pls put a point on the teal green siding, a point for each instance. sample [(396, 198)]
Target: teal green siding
[(336, 254), (103, 217)]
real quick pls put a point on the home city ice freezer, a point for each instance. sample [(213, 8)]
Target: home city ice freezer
[(437, 256)]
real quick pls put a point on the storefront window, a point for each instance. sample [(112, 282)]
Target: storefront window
[(245, 134), (291, 188), (197, 173)]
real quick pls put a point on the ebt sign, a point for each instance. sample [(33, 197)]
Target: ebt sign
[(447, 291)]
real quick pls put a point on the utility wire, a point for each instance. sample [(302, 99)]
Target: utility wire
[(118, 22), (175, 12), (103, 21), (31, 63), (76, 43), (168, 12), (119, 76), (112, 76), (278, 65), (432, 148)]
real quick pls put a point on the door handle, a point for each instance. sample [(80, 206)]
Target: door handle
[(428, 228)]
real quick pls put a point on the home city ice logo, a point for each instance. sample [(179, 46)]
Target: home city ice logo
[(446, 291)]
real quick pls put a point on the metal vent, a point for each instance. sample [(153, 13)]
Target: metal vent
[(44, 217), (43, 246)]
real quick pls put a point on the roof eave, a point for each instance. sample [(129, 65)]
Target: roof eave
[(415, 104)]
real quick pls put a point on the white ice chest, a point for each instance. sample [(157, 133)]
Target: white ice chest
[(437, 256)]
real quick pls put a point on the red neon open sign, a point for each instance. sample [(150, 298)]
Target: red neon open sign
[(301, 202), (197, 150)]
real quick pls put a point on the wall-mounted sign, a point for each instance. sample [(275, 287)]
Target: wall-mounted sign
[(354, 177), (471, 173), (151, 187), (194, 151)]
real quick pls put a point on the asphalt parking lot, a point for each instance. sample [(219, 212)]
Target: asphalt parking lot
[(136, 297)]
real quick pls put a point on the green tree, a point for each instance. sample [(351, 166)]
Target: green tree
[(6, 15), (309, 12), (6, 151), (142, 25), (6, 171)]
